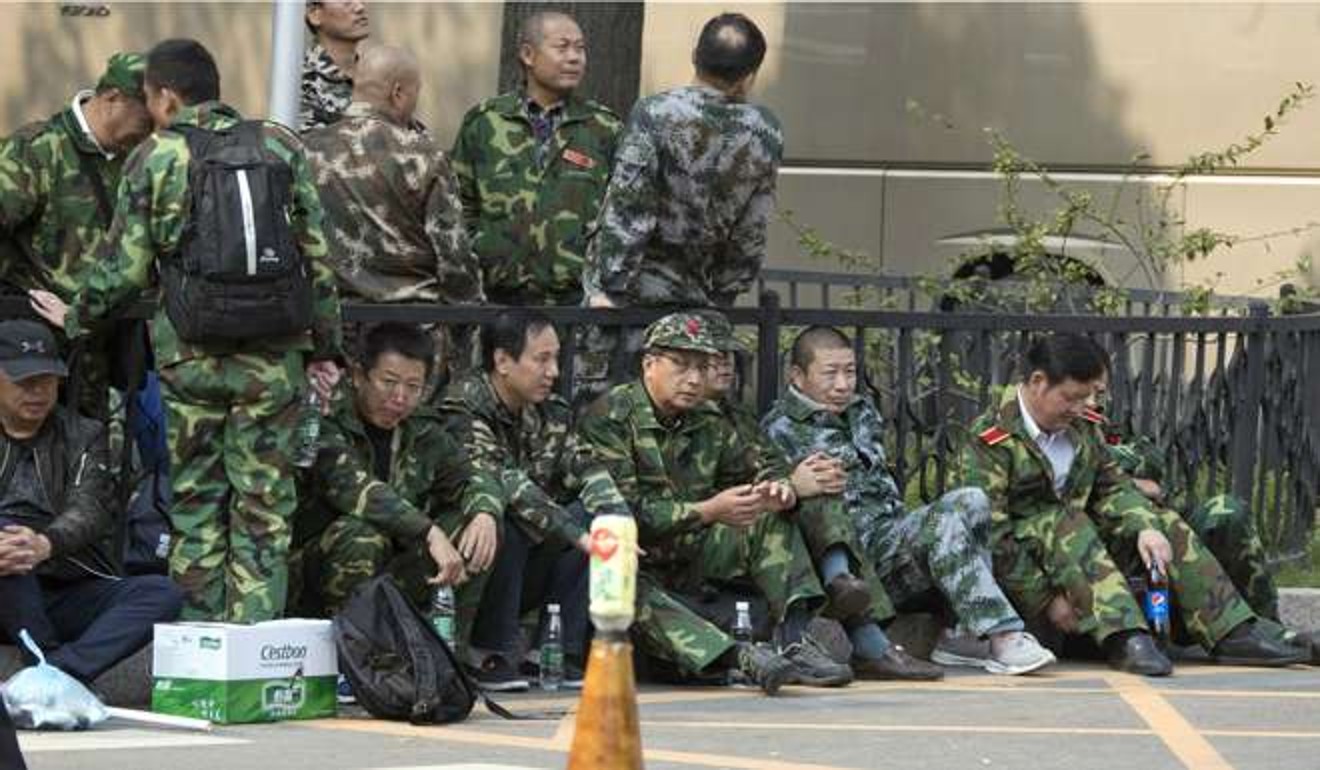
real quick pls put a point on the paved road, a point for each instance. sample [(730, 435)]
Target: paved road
[(1076, 717)]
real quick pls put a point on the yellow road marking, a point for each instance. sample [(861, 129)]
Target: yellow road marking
[(873, 728), (1189, 746)]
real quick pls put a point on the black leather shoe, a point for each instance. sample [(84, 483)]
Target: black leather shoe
[(1136, 653), (1247, 646), (849, 597), (896, 664), (1309, 643)]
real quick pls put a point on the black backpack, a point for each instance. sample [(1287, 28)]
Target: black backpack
[(239, 274), (397, 665)]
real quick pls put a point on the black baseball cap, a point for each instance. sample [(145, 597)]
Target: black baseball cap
[(28, 349)]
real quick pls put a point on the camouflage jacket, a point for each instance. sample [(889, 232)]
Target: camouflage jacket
[(802, 427), (151, 213), (394, 224), (744, 420), (542, 464), (529, 220), (50, 220), (1002, 459), (430, 474), (685, 215), (326, 90), (664, 470)]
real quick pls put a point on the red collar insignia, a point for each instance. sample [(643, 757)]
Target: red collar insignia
[(1092, 415), (994, 435), (579, 158)]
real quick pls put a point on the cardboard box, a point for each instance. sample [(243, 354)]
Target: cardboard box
[(228, 673)]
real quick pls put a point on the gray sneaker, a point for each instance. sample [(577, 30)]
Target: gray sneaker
[(813, 666), (1020, 653), (953, 650), (761, 665)]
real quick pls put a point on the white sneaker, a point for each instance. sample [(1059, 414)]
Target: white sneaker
[(953, 650), (1019, 653)]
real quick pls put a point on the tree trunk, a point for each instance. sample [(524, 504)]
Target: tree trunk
[(614, 49)]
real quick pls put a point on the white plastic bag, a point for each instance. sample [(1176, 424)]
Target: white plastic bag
[(43, 697)]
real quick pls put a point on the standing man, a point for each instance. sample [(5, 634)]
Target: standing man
[(338, 27), (58, 180), (711, 513), (231, 402), (685, 215), (1068, 525), (511, 419), (532, 166)]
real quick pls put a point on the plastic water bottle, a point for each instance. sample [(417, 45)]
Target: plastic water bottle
[(442, 613), (307, 440), (742, 636), (552, 651)]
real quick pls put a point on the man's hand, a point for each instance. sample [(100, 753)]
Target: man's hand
[(49, 307), (448, 561), (583, 543), (21, 550), (819, 474), (1154, 548), (1150, 489), (323, 376), (776, 495), (478, 542), (736, 507), (600, 300), (1062, 614)]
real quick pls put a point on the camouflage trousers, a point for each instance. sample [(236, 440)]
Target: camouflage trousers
[(770, 556), (231, 421), (825, 524), (1087, 562), (945, 546), (1226, 527)]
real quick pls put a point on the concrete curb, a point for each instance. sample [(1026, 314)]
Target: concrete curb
[(1299, 608)]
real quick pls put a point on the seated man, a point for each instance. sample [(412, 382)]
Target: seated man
[(510, 419), (55, 580), (710, 514), (1069, 525), (944, 546), (856, 597), (390, 488)]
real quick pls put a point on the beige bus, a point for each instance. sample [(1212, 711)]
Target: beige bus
[(884, 105)]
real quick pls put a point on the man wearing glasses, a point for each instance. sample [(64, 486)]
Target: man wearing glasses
[(712, 514), (391, 490)]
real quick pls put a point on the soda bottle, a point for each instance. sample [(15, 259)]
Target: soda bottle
[(742, 635), (442, 613), (307, 439), (1157, 604), (552, 651)]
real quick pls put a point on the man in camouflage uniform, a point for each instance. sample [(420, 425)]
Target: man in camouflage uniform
[(532, 166), (392, 489), (230, 408), (1068, 524), (58, 180), (338, 28), (394, 223), (510, 418), (944, 546), (709, 516), (685, 214)]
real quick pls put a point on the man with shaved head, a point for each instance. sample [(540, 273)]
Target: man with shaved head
[(393, 219)]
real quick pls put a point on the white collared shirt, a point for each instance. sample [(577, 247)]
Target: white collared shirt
[(78, 99), (1058, 448)]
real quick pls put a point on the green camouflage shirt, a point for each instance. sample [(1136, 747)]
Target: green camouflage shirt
[(529, 220), (393, 220), (543, 465), (1003, 460), (50, 220), (665, 467), (151, 212), (685, 215), (430, 474)]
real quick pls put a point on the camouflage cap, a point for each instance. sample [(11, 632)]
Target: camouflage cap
[(722, 331), (688, 330), (123, 71)]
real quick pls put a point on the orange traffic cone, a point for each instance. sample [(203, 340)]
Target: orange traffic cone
[(608, 733)]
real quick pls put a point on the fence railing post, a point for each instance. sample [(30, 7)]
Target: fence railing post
[(767, 351), (1246, 425)]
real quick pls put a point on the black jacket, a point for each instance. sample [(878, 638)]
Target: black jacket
[(71, 454)]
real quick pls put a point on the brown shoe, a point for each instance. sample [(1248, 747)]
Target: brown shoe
[(896, 664), (849, 597)]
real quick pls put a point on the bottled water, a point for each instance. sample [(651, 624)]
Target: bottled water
[(552, 651), (442, 613), (307, 439)]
